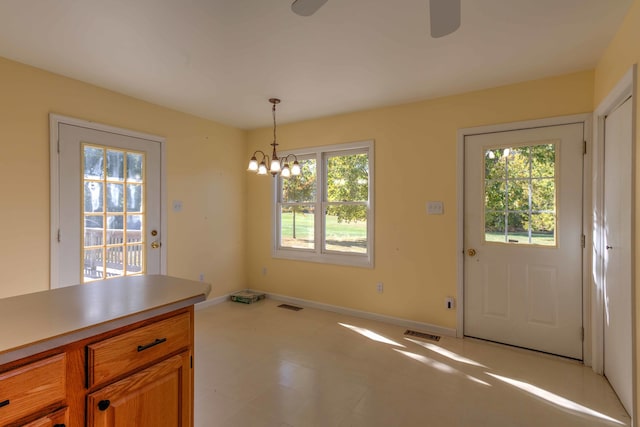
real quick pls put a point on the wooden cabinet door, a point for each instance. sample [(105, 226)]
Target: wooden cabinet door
[(159, 396)]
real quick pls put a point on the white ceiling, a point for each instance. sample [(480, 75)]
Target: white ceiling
[(222, 59)]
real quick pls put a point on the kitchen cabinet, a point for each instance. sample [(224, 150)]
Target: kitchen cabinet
[(158, 396), (131, 370)]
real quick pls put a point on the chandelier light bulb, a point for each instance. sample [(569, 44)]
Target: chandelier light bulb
[(253, 164)]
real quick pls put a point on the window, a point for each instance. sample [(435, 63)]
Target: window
[(520, 194), (326, 213)]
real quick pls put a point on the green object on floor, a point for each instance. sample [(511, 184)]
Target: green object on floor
[(247, 297)]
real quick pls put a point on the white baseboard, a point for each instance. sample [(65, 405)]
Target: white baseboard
[(424, 327), (211, 302)]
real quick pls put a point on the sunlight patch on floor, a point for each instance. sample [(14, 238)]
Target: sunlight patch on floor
[(553, 398), (430, 362), (446, 353), (371, 335)]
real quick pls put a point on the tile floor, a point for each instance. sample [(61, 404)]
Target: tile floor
[(260, 365)]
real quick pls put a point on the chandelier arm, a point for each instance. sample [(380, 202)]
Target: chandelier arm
[(259, 151)]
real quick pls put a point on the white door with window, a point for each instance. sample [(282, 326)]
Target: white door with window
[(523, 201), (108, 204), (617, 254)]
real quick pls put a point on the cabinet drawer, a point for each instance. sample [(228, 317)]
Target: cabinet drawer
[(115, 356), (30, 388), (57, 419)]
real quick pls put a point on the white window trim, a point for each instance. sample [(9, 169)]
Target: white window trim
[(316, 254)]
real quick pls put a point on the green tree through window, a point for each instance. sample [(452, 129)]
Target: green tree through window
[(325, 213), (520, 194)]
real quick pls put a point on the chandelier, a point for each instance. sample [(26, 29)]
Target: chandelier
[(277, 165)]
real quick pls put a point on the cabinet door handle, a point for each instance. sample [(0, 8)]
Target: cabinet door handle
[(5, 403), (104, 404), (59, 425), (152, 344)]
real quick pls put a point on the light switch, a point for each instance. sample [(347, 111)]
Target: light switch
[(177, 205), (435, 208)]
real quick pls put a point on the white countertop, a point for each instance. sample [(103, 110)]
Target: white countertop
[(40, 321)]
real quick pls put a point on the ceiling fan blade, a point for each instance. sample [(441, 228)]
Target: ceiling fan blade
[(445, 17), (307, 7)]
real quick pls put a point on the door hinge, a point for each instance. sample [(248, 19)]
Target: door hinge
[(191, 357), (583, 241), (58, 235), (582, 333), (58, 145), (584, 147)]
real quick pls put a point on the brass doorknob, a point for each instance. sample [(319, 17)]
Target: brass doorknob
[(471, 252), (155, 244)]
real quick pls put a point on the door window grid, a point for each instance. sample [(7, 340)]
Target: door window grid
[(520, 194), (113, 223)]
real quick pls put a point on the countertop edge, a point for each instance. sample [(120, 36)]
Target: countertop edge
[(77, 335)]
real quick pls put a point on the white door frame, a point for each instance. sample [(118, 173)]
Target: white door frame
[(625, 88), (585, 119), (55, 120)]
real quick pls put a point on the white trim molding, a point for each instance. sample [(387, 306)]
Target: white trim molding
[(585, 119), (424, 327), (55, 120), (625, 88)]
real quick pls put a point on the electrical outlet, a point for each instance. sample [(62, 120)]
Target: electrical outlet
[(201, 277), (264, 271), (449, 303), (380, 287)]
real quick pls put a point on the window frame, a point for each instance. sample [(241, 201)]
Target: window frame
[(319, 254)]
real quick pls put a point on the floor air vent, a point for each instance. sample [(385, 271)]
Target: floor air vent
[(422, 335), (290, 307)]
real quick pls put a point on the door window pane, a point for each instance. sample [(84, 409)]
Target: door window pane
[(115, 165), (135, 262), (115, 266), (93, 196), (494, 225), (135, 162), (93, 265), (134, 197), (520, 194), (93, 162), (115, 197), (93, 230), (113, 240)]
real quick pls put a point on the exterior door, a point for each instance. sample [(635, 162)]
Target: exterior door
[(617, 254), (109, 205), (523, 238)]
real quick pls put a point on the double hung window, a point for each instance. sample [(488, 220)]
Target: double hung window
[(326, 213)]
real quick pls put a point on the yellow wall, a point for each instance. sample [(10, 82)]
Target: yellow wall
[(415, 161), (622, 53), (205, 169)]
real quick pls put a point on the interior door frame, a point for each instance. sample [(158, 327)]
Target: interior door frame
[(55, 121), (584, 119), (625, 88)]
